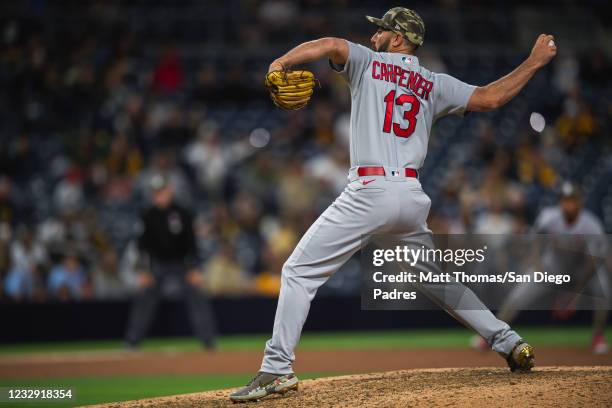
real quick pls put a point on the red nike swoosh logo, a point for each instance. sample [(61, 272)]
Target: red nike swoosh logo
[(366, 182)]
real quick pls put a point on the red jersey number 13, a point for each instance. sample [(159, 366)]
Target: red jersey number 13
[(409, 115)]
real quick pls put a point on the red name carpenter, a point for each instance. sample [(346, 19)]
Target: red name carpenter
[(407, 79)]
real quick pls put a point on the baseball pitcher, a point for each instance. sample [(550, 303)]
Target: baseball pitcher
[(395, 100)]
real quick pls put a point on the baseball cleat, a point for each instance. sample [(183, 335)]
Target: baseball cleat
[(599, 345), (265, 384), (521, 358)]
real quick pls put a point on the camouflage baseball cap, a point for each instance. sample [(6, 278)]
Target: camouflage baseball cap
[(404, 21)]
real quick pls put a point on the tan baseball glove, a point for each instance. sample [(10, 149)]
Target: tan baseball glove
[(290, 90)]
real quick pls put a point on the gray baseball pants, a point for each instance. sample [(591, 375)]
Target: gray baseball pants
[(387, 205)]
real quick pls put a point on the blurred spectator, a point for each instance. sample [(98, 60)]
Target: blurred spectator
[(322, 131), (495, 220), (278, 13), (68, 195), (168, 75), (67, 280), (453, 210), (105, 277), (248, 242), (207, 159), (8, 210), (28, 259), (223, 275), (208, 86), (4, 265), (566, 73), (532, 167), (296, 195), (342, 128), (123, 158), (267, 283), (576, 125), (331, 168), (25, 161), (281, 240), (430, 59), (596, 68), (211, 160)]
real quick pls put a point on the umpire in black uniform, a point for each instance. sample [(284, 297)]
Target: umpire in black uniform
[(168, 250)]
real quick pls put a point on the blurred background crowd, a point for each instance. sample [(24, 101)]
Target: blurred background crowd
[(97, 97)]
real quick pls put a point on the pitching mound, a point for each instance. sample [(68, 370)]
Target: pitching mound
[(474, 387)]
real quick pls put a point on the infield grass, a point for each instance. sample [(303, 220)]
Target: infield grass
[(358, 340), (96, 390)]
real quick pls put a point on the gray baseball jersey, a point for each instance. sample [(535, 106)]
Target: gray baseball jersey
[(394, 103), (551, 221), (592, 240), (564, 252)]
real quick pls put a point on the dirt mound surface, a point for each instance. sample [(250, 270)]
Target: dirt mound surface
[(474, 387), (47, 365)]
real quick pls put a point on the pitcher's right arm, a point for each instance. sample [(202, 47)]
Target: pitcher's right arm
[(500, 92)]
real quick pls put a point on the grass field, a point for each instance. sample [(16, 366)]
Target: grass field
[(90, 390), (547, 336)]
